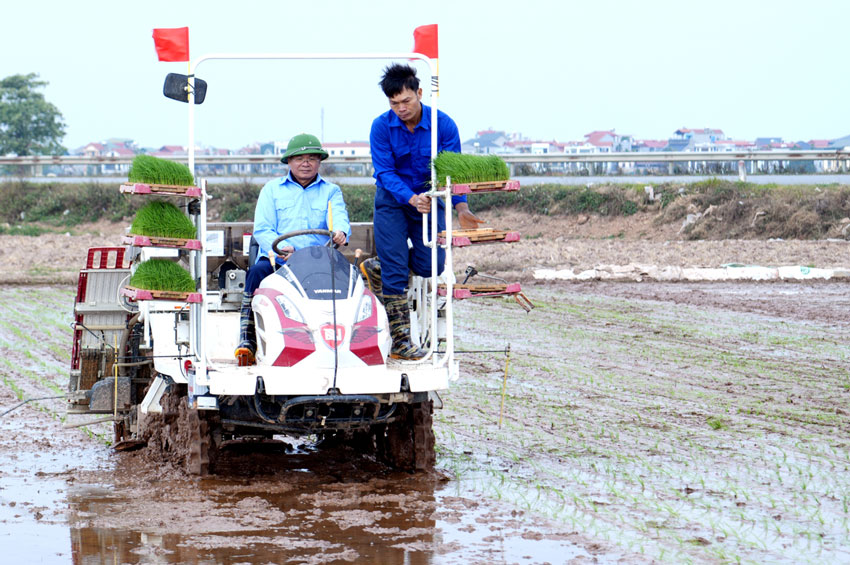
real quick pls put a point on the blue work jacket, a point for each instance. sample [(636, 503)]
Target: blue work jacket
[(402, 158)]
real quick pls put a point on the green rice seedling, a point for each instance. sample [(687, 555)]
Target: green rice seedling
[(162, 219), (470, 168), (154, 170), (13, 386), (715, 423), (162, 274)]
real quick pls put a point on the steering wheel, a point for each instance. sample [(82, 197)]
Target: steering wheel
[(276, 243)]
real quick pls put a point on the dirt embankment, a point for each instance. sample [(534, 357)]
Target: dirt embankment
[(581, 242)]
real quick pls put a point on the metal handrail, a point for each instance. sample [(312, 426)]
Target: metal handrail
[(193, 159), (510, 158)]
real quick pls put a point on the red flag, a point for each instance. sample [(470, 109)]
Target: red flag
[(172, 44), (425, 41)]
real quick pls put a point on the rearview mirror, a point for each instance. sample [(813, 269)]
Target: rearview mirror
[(176, 87)]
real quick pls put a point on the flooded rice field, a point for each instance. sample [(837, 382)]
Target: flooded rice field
[(639, 422)]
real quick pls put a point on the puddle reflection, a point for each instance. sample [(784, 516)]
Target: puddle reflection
[(302, 514)]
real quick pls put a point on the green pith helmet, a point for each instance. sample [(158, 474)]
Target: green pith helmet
[(304, 144)]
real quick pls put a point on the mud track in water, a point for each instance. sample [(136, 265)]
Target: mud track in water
[(641, 422)]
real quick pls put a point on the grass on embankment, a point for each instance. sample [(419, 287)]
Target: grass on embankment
[(720, 209)]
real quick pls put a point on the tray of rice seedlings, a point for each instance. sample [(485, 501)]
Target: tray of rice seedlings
[(154, 175), (473, 173), (162, 224), (161, 279)]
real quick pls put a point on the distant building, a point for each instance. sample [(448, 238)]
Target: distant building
[(820, 143), (486, 142), (695, 139), (167, 151), (114, 147), (678, 144), (783, 145), (245, 168), (253, 149), (767, 142), (825, 166), (492, 141), (216, 168), (577, 148), (649, 145), (840, 143), (731, 145), (611, 142), (518, 146), (348, 149), (117, 168), (533, 147), (93, 149)]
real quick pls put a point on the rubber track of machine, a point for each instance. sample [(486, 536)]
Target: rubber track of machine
[(423, 436), (399, 450), (198, 460)]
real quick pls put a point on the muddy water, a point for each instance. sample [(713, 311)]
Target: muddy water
[(137, 513), (388, 520), (66, 498)]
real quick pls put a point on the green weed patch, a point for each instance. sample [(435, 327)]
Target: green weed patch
[(556, 200), (727, 210), (24, 203), (31, 230)]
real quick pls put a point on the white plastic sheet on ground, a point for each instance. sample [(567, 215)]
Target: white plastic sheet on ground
[(637, 272)]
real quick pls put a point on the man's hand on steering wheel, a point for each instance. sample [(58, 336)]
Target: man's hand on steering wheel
[(285, 252), (337, 238)]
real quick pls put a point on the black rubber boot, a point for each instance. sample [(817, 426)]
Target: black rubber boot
[(247, 348), (371, 269), (398, 313)]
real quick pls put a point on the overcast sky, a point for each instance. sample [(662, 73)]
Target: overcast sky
[(549, 69)]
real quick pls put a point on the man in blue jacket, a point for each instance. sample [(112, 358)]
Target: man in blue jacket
[(298, 201), (400, 143)]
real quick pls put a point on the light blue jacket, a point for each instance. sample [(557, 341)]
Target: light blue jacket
[(284, 206)]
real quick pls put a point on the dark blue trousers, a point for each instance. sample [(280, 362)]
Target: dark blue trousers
[(247, 333), (258, 271), (394, 223)]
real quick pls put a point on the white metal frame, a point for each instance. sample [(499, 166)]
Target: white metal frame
[(200, 311)]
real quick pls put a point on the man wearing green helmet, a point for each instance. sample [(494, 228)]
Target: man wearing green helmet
[(298, 201)]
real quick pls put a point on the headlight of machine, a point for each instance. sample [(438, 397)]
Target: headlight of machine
[(289, 309), (364, 309)]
